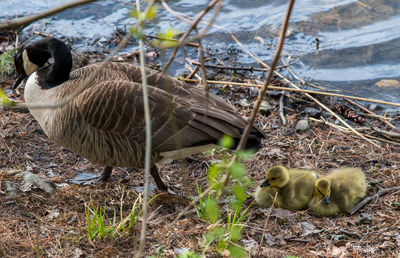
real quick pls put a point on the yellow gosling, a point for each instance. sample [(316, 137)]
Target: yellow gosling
[(338, 192), (294, 188)]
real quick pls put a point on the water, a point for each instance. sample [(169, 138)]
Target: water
[(359, 40)]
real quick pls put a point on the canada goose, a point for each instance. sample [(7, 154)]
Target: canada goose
[(105, 123), (294, 187), (338, 192)]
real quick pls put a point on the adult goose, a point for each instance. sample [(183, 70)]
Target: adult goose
[(105, 123)]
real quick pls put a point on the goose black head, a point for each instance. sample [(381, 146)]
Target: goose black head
[(33, 58)]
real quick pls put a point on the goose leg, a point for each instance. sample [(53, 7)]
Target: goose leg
[(156, 176), (105, 174), (83, 178)]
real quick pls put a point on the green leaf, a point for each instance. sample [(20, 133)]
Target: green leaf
[(245, 154), (5, 101), (236, 233), (134, 13), (189, 254), (226, 141), (213, 173), (239, 192), (237, 251), (151, 14), (212, 210), (213, 234), (237, 170)]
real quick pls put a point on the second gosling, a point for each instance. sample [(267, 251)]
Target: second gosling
[(294, 188), (338, 192)]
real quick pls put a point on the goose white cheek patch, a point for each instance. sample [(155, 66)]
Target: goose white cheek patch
[(29, 67)]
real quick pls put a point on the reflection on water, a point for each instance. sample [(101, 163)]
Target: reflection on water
[(359, 40)]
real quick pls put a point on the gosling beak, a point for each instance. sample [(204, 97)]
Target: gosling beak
[(18, 81), (264, 184), (326, 200)]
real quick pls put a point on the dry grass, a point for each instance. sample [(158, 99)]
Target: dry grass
[(373, 232)]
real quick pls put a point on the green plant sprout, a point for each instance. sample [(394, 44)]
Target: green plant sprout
[(100, 226), (225, 233)]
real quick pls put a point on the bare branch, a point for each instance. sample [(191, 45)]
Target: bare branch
[(147, 164), (263, 90), (22, 22), (370, 198), (271, 87), (187, 33)]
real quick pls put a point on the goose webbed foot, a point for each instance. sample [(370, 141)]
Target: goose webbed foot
[(83, 178), (156, 176)]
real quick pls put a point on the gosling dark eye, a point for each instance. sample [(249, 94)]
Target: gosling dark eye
[(273, 178)]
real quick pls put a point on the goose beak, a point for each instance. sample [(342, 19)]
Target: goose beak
[(264, 184), (18, 81), (326, 200)]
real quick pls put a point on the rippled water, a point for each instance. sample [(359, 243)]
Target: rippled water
[(359, 40)]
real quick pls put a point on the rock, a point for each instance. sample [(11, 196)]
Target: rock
[(243, 102), (45, 184), (302, 126), (313, 112), (365, 218), (265, 108), (11, 187), (388, 84)]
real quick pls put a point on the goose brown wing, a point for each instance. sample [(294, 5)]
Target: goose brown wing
[(116, 107)]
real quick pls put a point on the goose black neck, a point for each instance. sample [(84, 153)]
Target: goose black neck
[(58, 72)]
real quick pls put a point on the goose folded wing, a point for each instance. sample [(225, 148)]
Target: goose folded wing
[(116, 107)]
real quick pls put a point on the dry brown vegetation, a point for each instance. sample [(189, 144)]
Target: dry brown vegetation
[(35, 223)]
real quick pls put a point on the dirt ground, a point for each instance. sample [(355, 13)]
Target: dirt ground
[(56, 223), (35, 223)]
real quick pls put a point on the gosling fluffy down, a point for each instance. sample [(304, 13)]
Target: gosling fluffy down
[(293, 186), (338, 192)]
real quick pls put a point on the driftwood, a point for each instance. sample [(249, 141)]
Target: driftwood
[(370, 198), (22, 22)]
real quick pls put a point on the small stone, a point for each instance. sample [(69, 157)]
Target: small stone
[(302, 126), (365, 218), (391, 84), (265, 108), (151, 55), (11, 187), (44, 184), (244, 102), (313, 112)]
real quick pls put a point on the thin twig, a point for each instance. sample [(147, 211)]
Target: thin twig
[(281, 105), (233, 67), (341, 128), (333, 113), (263, 90), (266, 224), (298, 77), (386, 133), (271, 87), (168, 39), (38, 254), (194, 72), (147, 164), (16, 23), (186, 34), (202, 67), (372, 197), (371, 113)]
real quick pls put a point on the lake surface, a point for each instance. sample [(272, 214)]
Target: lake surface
[(358, 46)]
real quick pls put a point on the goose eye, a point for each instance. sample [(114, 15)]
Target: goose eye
[(273, 178)]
